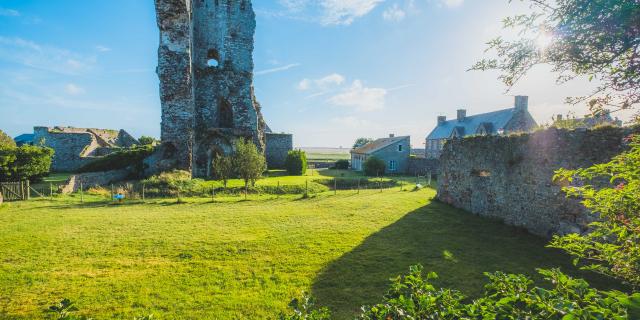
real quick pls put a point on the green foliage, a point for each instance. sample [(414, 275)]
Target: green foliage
[(374, 166), (223, 168), (342, 164), (64, 310), (296, 163), (6, 141), (127, 158), (25, 163), (611, 191), (174, 183), (248, 161), (595, 39), (147, 141), (361, 142), (305, 309), (507, 296)]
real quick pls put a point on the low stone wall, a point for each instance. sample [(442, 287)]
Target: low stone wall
[(94, 179), (510, 178), (423, 166), (277, 147)]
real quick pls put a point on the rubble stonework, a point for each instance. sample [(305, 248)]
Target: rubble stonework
[(76, 147), (205, 66), (278, 146), (510, 178)]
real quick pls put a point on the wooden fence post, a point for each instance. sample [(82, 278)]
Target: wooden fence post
[(429, 178), (81, 193), (358, 185), (112, 199), (28, 190), (335, 186), (143, 187), (51, 190), (306, 188)]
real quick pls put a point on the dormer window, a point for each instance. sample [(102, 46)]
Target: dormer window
[(399, 148)]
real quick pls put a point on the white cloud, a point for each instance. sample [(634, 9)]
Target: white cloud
[(323, 83), (344, 12), (9, 12), (103, 48), (452, 3), (360, 97), (394, 13), (42, 57), (325, 12), (73, 89), (278, 69)]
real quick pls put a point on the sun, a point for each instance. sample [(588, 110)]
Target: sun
[(544, 40)]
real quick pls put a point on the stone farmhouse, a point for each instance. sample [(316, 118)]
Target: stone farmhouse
[(76, 147), (502, 122), (394, 151)]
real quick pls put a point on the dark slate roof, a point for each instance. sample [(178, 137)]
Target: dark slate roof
[(24, 138), (374, 146), (497, 120)]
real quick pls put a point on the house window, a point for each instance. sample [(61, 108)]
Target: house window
[(393, 165), (399, 148)]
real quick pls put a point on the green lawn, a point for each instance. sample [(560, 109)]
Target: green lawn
[(236, 259)]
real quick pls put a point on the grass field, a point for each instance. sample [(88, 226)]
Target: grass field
[(236, 259)]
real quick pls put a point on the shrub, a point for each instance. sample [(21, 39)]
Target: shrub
[(296, 163), (6, 141), (147, 141), (223, 168), (507, 296), (173, 183), (128, 158), (342, 164), (374, 166), (612, 192), (25, 163)]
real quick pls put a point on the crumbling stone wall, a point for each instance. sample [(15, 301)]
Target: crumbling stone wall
[(76, 147), (423, 166), (510, 178), (205, 66), (278, 146)]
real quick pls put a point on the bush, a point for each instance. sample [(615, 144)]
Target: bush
[(121, 160), (249, 163), (148, 141), (173, 183), (6, 141), (296, 163), (507, 296), (374, 166), (25, 163), (342, 164)]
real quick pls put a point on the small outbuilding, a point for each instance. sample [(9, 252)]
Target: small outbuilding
[(394, 151)]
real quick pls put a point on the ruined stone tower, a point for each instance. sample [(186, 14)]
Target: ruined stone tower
[(205, 66)]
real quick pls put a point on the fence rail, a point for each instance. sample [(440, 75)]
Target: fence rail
[(15, 191)]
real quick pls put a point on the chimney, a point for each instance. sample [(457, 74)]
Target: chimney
[(442, 119), (522, 103), (392, 135), (462, 114)]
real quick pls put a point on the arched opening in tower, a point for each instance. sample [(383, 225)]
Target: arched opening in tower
[(225, 114), (213, 58)]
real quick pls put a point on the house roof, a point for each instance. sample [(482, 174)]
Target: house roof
[(377, 145), (492, 121), (23, 138)]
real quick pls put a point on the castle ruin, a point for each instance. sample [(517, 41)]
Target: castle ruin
[(205, 66)]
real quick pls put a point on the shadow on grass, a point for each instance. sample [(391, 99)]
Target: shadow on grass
[(457, 245)]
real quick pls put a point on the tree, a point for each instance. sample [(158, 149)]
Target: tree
[(612, 192), (6, 141), (147, 141), (223, 168), (25, 163), (249, 162), (296, 163), (361, 142), (595, 39), (374, 166)]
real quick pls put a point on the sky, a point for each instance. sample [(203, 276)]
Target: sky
[(328, 71)]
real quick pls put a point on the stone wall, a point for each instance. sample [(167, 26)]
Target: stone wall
[(423, 166), (277, 147), (510, 178), (96, 179)]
